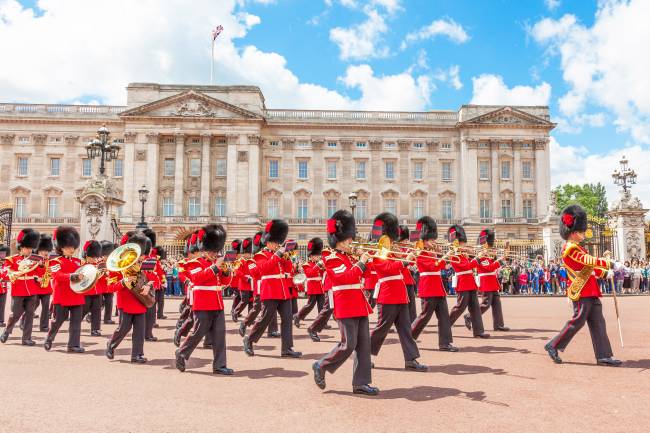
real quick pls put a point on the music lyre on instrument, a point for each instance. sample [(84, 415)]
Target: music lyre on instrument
[(89, 276)]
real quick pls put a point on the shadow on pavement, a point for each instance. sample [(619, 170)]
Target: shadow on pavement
[(423, 393)]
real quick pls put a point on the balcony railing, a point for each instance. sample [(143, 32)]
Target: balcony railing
[(83, 110), (360, 116), (46, 220)]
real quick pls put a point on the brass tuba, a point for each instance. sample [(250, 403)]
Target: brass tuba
[(125, 260)]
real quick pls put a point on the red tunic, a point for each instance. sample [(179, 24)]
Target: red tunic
[(126, 300), (392, 289), (273, 283), (189, 269), (463, 267), (370, 277), (344, 278), (314, 278), (430, 283), (406, 273), (62, 268), (575, 258), (4, 281), (25, 285), (487, 273), (206, 290)]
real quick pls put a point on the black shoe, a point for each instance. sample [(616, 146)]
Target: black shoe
[(109, 322), (242, 329), (28, 343), (233, 316), (449, 348), (87, 319), (152, 339), (180, 361), (76, 349), (365, 390), (468, 321), (139, 360), (610, 362), (110, 351), (319, 375), (552, 352), (314, 336), (372, 365), (415, 366), (327, 327), (2, 324), (162, 318), (207, 345), (47, 345), (177, 338), (4, 337), (248, 347), (95, 334), (296, 321), (502, 328), (274, 334), (223, 370), (483, 335), (291, 354), (155, 325)]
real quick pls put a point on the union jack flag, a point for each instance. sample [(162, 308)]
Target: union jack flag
[(216, 32)]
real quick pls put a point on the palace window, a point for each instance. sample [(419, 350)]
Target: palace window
[(361, 145), (303, 144), (168, 206), (194, 206), (484, 170), (361, 170), (55, 167), (195, 167), (52, 207), (331, 144), (528, 208), (389, 170), (418, 145), (391, 145), (506, 208), (23, 166), (446, 171), (220, 168), (20, 209), (418, 208), (390, 205), (303, 169), (275, 143), (169, 167), (23, 140), (361, 211), (274, 169), (447, 209), (418, 170), (220, 206), (526, 170), (331, 169), (273, 207), (86, 167), (303, 208), (445, 146), (332, 206), (505, 170), (118, 168), (485, 208)]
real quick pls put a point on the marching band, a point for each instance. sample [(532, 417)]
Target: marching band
[(345, 280)]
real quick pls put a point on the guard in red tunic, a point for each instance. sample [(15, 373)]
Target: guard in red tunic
[(489, 283), (430, 288), (91, 253), (107, 296), (44, 290), (583, 269), (313, 270), (160, 254), (132, 311), (68, 304), (275, 293), (207, 302), (392, 297), (351, 307), (370, 282), (235, 246), (22, 270), (154, 277), (4, 283), (246, 277), (465, 285), (407, 273), (256, 282)]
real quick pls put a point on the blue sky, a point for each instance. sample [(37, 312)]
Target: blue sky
[(579, 57)]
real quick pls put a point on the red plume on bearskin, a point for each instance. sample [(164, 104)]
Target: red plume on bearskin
[(28, 238), (388, 224), (315, 247), (574, 219), (92, 248), (276, 231), (427, 227), (331, 226), (247, 246), (257, 241), (456, 232), (346, 228)]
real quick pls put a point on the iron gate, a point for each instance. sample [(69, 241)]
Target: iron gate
[(6, 218)]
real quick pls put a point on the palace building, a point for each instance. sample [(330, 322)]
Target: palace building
[(218, 153)]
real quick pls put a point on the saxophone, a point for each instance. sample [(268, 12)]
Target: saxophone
[(47, 276)]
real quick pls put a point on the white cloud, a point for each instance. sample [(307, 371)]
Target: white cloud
[(552, 4), (604, 64), (578, 166), (362, 41), (491, 90), (167, 44), (391, 6), (450, 76), (445, 27)]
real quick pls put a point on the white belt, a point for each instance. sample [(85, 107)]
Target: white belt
[(346, 287), (391, 278), (458, 274), (428, 274), (486, 274), (208, 288), (313, 279), (274, 277)]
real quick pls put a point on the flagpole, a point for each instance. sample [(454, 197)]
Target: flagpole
[(212, 62)]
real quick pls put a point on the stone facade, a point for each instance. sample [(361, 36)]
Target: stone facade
[(216, 153)]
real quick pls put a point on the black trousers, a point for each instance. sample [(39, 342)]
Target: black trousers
[(270, 308), (468, 300), (128, 321), (273, 324), (254, 312), (237, 298), (207, 324), (323, 316), (312, 301), (355, 337), (160, 303), (413, 312), (44, 302), (107, 301), (437, 304), (61, 314), (589, 311), (371, 300), (94, 307), (397, 314), (294, 306), (493, 299), (22, 305), (3, 303), (246, 296), (150, 320)]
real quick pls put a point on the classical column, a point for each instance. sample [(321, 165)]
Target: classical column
[(254, 167), (465, 189), (205, 174), (179, 174), (153, 173), (232, 202), (128, 174), (517, 206), (496, 178), (404, 179), (542, 174)]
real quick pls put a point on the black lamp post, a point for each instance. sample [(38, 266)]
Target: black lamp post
[(101, 147), (626, 177), (144, 193)]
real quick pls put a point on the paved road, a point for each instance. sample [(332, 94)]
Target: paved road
[(503, 384)]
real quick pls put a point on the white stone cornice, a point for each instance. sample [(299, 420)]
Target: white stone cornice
[(130, 136), (153, 137), (71, 139), (254, 139), (7, 138)]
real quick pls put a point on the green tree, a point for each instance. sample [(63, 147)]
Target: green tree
[(592, 197)]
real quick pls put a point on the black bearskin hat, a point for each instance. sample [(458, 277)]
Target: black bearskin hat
[(573, 219), (456, 232), (247, 246), (143, 241), (212, 238), (427, 227), (66, 236), (276, 231), (28, 238), (107, 247), (92, 249), (404, 233), (315, 247), (340, 226), (126, 236), (151, 235), (236, 245), (258, 242), (389, 225), (194, 242), (160, 252), (45, 243), (486, 237)]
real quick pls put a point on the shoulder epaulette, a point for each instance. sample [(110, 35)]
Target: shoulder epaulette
[(569, 247)]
